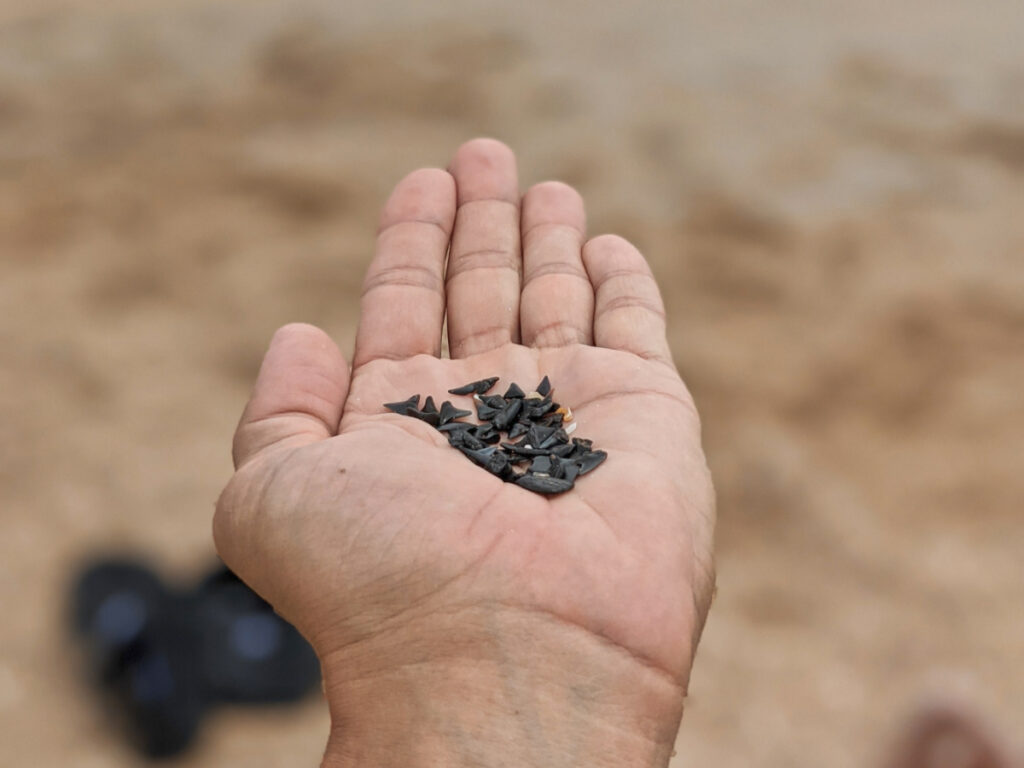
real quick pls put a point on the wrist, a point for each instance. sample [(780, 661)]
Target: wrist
[(495, 688)]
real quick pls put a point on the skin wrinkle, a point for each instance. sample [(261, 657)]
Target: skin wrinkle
[(506, 254), (370, 368), (401, 619), (386, 550), (612, 274), (630, 302), (404, 274), (433, 222), (303, 411), (632, 392), (551, 225), (326, 405), (412, 427), (566, 268), (394, 357), (534, 728), (499, 331), (649, 664), (360, 371), (466, 271), (256, 448), (274, 418), (315, 371), (483, 507), (513, 691), (656, 357), (564, 341), (599, 516), (475, 200), (275, 471)]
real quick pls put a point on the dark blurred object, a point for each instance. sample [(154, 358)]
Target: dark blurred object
[(251, 654), (951, 735), (163, 657)]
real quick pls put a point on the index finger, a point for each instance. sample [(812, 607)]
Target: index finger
[(403, 301)]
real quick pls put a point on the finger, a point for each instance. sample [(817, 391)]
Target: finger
[(299, 394), (484, 267), (557, 303), (628, 314), (402, 308)]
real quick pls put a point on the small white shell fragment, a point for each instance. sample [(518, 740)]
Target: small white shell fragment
[(570, 428)]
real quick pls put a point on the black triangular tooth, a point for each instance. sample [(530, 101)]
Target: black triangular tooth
[(508, 415), (433, 419), (450, 413), (487, 433), (405, 406), (541, 465), (455, 426), (534, 409), (545, 485), (479, 456), (538, 434), (555, 438), (479, 387), (484, 412), (590, 461)]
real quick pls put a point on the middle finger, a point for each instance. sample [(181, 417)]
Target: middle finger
[(485, 263)]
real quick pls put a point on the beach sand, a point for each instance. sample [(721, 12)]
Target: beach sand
[(829, 193)]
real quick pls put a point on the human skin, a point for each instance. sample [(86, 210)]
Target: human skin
[(461, 620)]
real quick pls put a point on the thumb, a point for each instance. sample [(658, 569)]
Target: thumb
[(299, 394)]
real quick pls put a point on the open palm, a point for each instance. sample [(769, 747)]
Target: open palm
[(362, 526)]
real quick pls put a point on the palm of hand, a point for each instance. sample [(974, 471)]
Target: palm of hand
[(381, 525)]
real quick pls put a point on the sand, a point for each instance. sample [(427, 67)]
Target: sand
[(830, 194)]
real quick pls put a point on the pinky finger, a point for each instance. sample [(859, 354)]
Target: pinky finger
[(629, 314)]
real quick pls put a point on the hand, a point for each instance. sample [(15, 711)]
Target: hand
[(451, 611)]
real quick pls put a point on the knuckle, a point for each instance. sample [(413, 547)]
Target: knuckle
[(628, 301), (410, 275), (482, 339), (560, 333), (502, 259), (562, 268)]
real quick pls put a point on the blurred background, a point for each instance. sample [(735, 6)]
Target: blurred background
[(830, 194)]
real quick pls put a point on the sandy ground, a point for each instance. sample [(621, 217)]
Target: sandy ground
[(830, 194)]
